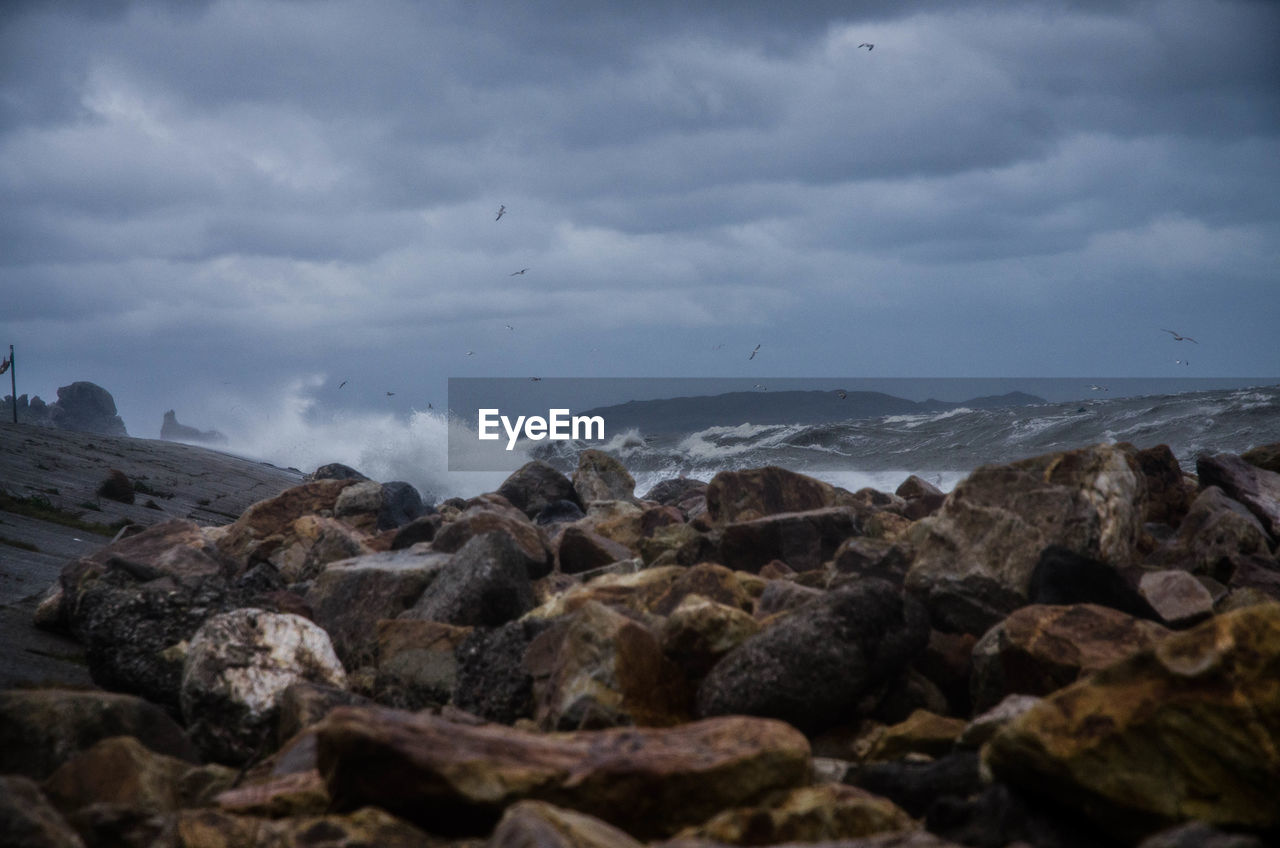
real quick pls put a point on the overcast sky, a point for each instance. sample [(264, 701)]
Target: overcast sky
[(203, 204)]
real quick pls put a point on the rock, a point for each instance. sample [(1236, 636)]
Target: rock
[(238, 666), (649, 782), (601, 477), (1179, 599), (985, 725), (922, 733), (947, 663), (1062, 577), (559, 512), (675, 491), (535, 486), (1256, 488), (40, 729), (479, 520), (368, 826), (28, 820), (803, 540), (359, 504), (999, 816), (812, 667), (349, 597), (579, 550), (417, 662), (1266, 457), (699, 632), (754, 493), (401, 504), (915, 786), (527, 824), (712, 582), (1181, 730), (784, 596), (975, 556), (679, 544), (922, 497), (121, 770), (172, 431), (633, 590), (334, 471), (421, 529), (485, 584), (299, 794), (1200, 835), (1216, 532), (1040, 649), (861, 556), (493, 681), (116, 486), (830, 812), (87, 408), (1169, 494), (304, 703), (598, 668)]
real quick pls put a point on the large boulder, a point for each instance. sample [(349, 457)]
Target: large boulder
[(1215, 533), (601, 477), (238, 665), (536, 486), (812, 668), (485, 584), (975, 556), (1183, 730), (757, 492), (649, 782), (87, 408), (1256, 488), (479, 520), (803, 540), (173, 431), (493, 681)]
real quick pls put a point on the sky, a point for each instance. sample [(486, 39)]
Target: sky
[(218, 206)]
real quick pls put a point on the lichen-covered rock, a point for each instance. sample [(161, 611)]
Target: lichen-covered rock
[(975, 556), (1183, 730), (238, 665), (648, 781), (700, 632), (268, 532)]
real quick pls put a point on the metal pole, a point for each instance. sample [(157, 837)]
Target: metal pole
[(13, 384)]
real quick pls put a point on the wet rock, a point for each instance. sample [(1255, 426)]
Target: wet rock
[(803, 540), (238, 666), (734, 496), (579, 550), (1169, 493), (675, 490), (599, 668), (421, 529), (861, 556), (350, 596), (649, 782), (298, 794), (485, 584), (711, 581), (401, 504), (987, 724), (493, 681), (916, 785), (417, 662), (269, 531), (1174, 732), (1178, 598), (42, 728), (1063, 577), (975, 556), (1256, 488), (679, 544), (1216, 532), (527, 824), (601, 477), (535, 486), (529, 539), (812, 667), (700, 632), (922, 497), (334, 471), (636, 590), (1040, 649), (826, 813), (28, 820)]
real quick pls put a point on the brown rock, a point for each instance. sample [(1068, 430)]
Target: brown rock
[(699, 632), (534, 824), (633, 590), (712, 581), (304, 703), (1215, 532), (1177, 597), (866, 557), (369, 826), (298, 794), (829, 812), (579, 550), (28, 820), (1256, 488), (417, 666), (601, 477), (803, 540), (267, 527), (1182, 730), (121, 770), (535, 486), (922, 732), (1040, 649), (679, 544), (1169, 493), (117, 487), (1266, 457), (649, 782), (757, 492), (479, 520)]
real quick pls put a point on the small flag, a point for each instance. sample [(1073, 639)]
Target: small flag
[(4, 366)]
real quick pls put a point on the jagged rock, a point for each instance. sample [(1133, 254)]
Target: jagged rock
[(534, 823), (28, 820), (649, 782), (305, 702), (1063, 577), (121, 770), (172, 431), (734, 496), (1216, 532), (1040, 649), (1178, 598), (714, 582), (237, 668), (1256, 488), (598, 668), (975, 556), (1169, 493), (579, 550), (812, 667), (40, 729), (349, 597), (681, 492), (87, 408), (1266, 457), (368, 826), (485, 584), (922, 497), (862, 556), (699, 632), (417, 662), (679, 544), (334, 471), (916, 786), (601, 477), (537, 485), (1181, 730), (530, 540), (803, 540), (830, 812), (421, 529), (634, 590), (923, 732), (493, 681)]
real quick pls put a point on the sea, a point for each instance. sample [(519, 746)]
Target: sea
[(941, 447)]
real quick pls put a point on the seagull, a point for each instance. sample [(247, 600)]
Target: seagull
[(1099, 389), (517, 273), (869, 47), (343, 383), (502, 210), (471, 353), (535, 379), (509, 327), (753, 353), (391, 394), (1178, 338), (842, 394), (761, 386), (1184, 361)]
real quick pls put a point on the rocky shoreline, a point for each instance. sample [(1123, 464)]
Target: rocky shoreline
[(1077, 649)]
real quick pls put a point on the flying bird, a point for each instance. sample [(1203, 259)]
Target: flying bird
[(509, 327), (1099, 389), (535, 379), (471, 353), (1178, 338), (1184, 361), (502, 210), (391, 394), (517, 273), (343, 383), (753, 353), (842, 394), (869, 47)]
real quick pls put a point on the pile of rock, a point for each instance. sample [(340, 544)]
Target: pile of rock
[(82, 406), (1081, 648)]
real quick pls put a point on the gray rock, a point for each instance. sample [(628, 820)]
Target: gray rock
[(485, 584), (493, 681), (28, 820), (601, 477), (88, 408), (401, 504), (812, 668), (1256, 488), (172, 431), (1177, 597), (535, 486)]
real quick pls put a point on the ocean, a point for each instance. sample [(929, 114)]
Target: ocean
[(881, 452)]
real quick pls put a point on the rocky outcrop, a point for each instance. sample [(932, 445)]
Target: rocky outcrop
[(81, 406), (172, 431)]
